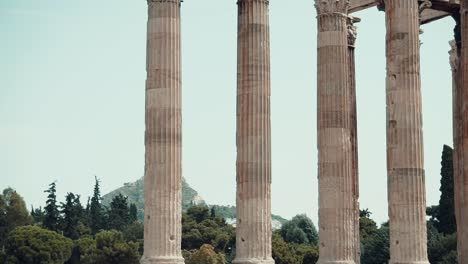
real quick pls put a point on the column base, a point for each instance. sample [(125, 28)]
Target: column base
[(162, 260), (408, 262), (253, 261), (335, 261)]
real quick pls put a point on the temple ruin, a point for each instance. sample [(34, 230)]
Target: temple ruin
[(337, 130)]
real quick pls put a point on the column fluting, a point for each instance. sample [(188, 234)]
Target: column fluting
[(462, 146), (405, 156), (334, 118), (163, 135), (253, 231), (352, 35)]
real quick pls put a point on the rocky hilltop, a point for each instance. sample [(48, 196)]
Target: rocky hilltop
[(190, 197)]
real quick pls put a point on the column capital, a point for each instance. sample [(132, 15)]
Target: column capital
[(331, 6), (253, 1), (352, 30)]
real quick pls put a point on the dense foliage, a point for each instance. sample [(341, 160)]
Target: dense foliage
[(32, 244), (69, 233)]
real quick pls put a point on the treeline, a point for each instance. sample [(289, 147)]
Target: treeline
[(441, 227), (68, 232)]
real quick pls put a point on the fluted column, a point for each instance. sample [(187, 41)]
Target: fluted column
[(352, 34), (163, 135), (253, 232), (335, 153), (405, 157), (462, 146), (457, 161)]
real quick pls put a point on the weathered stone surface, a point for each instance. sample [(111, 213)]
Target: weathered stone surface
[(352, 34), (405, 159), (462, 144), (337, 188), (457, 150), (253, 233), (163, 139)]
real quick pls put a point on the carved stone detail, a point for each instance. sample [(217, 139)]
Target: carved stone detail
[(454, 58), (331, 6)]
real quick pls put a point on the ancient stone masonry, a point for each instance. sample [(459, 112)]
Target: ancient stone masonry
[(461, 141), (352, 34), (457, 155), (253, 233), (335, 129), (163, 138), (405, 160)]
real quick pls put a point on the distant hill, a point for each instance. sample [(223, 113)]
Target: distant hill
[(134, 192), (190, 197)]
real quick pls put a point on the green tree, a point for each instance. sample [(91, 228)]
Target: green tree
[(112, 248), (51, 219), (446, 212), (198, 213), (119, 213), (38, 215), (73, 213), (133, 213), (440, 247), (282, 252), (13, 213), (134, 232), (206, 255), (367, 226), (84, 251), (96, 212), (199, 228), (300, 230), (375, 249), (32, 244)]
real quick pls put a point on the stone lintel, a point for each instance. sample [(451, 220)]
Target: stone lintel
[(358, 5), (429, 15)]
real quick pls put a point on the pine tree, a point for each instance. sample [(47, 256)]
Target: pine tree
[(38, 215), (446, 210), (119, 213), (96, 215), (72, 212), (133, 213), (51, 218)]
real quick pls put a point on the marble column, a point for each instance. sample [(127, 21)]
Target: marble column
[(352, 34), (457, 162), (335, 153), (462, 144), (405, 156), (163, 135), (253, 232)]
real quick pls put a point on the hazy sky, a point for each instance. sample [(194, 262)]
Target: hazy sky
[(72, 82)]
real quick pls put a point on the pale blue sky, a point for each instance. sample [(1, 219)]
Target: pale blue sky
[(72, 77)]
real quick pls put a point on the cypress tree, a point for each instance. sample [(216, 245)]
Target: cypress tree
[(51, 218), (446, 210), (96, 215)]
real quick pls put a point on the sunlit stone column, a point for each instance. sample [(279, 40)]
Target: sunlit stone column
[(352, 34), (253, 232), (405, 159), (335, 153), (163, 141), (462, 146)]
